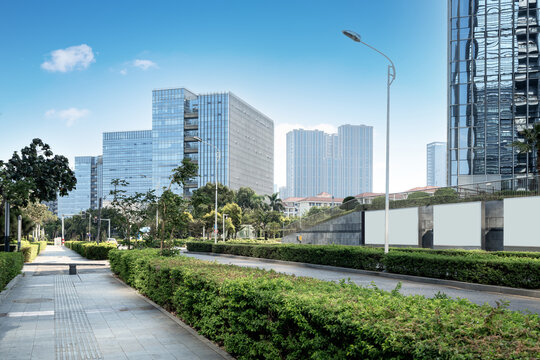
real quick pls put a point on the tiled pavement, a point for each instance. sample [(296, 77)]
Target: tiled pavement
[(48, 314)]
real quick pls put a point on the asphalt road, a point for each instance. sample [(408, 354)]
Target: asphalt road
[(517, 303)]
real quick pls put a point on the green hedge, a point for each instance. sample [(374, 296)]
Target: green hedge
[(10, 265), (91, 250), (460, 265), (30, 251), (256, 314)]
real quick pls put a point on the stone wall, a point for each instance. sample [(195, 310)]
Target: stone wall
[(344, 230)]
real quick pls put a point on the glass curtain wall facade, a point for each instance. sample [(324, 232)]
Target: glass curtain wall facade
[(493, 87), (340, 164), (436, 164), (243, 135), (356, 160), (85, 194), (127, 155), (168, 108)]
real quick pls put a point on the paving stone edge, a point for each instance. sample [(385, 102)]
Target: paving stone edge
[(452, 283), (9, 286), (188, 328)]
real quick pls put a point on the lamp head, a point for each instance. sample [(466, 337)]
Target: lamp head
[(352, 35), (197, 138)]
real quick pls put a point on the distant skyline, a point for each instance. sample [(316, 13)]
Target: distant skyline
[(73, 70)]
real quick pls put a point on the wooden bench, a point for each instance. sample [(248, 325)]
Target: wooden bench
[(72, 266)]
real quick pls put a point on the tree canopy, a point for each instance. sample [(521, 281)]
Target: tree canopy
[(203, 198), (35, 175)]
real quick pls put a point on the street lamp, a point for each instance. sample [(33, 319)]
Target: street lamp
[(224, 217), (391, 77), (215, 178)]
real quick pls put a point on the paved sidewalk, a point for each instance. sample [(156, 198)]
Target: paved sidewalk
[(48, 314), (516, 302)]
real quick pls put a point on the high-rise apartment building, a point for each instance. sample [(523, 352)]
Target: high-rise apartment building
[(436, 164), (127, 155), (493, 87), (85, 195), (243, 135), (340, 164)]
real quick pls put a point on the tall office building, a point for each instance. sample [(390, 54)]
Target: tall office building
[(85, 195), (493, 87), (127, 155), (243, 135), (340, 164), (436, 164)]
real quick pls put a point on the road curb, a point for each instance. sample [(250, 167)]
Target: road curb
[(11, 284), (185, 326), (451, 283)]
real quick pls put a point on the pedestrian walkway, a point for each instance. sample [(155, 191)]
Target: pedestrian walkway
[(48, 314)]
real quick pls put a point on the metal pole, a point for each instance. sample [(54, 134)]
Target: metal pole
[(387, 197), (19, 232), (215, 209), (98, 237), (62, 229), (224, 217), (89, 227), (109, 229), (6, 227)]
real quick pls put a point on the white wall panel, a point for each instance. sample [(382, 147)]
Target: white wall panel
[(457, 224), (403, 228), (520, 221)]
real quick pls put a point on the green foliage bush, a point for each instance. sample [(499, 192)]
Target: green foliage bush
[(462, 265), (10, 265), (257, 314), (91, 250), (30, 251)]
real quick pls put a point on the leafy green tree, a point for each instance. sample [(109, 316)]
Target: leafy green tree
[(446, 192), (39, 213), (246, 198), (35, 175), (530, 143), (275, 202), (203, 199), (172, 207), (133, 208), (273, 228), (315, 210), (378, 201), (209, 221), (235, 214), (418, 195)]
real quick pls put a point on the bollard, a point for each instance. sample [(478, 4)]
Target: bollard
[(72, 269)]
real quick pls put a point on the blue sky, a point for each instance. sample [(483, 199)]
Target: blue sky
[(70, 70)]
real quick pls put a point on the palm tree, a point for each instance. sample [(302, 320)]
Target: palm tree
[(530, 143), (275, 202)]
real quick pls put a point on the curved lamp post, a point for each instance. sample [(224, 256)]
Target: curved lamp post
[(391, 77), (215, 178)]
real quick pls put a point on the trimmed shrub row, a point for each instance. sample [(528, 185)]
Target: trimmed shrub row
[(257, 314), (91, 250), (31, 250), (518, 272), (10, 266)]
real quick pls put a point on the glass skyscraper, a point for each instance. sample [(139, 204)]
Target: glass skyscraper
[(493, 87), (340, 164), (436, 164), (85, 195), (243, 135), (127, 155)]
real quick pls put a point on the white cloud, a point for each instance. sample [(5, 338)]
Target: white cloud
[(123, 71), (280, 147), (68, 59), (70, 115), (144, 64)]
